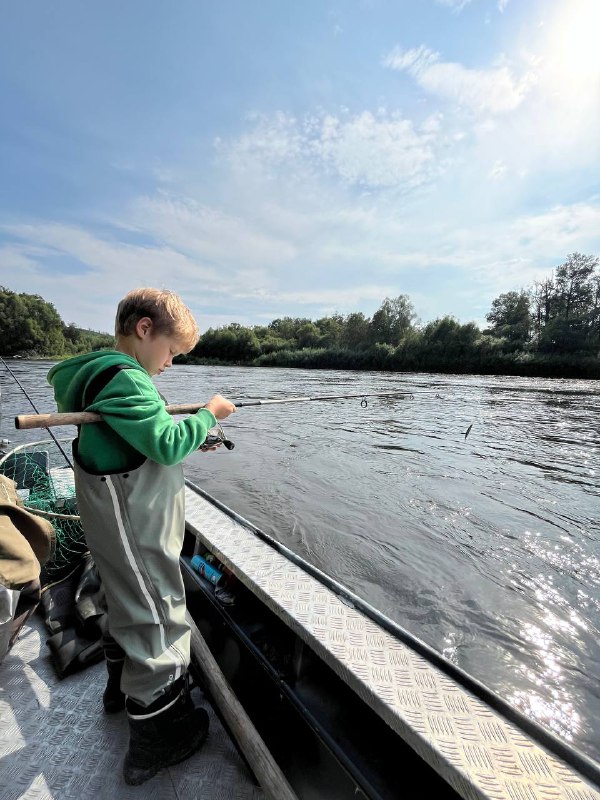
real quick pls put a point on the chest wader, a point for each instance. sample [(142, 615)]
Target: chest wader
[(134, 525)]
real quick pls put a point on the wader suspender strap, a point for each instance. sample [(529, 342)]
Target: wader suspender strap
[(99, 382), (89, 395)]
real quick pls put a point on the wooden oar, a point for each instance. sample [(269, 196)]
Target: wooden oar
[(263, 765), (27, 421)]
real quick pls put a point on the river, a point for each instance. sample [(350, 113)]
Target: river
[(486, 546)]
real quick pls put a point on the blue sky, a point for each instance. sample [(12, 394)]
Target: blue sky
[(267, 157)]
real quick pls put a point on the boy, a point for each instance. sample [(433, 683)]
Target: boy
[(130, 495)]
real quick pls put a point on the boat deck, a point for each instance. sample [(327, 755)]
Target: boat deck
[(56, 742)]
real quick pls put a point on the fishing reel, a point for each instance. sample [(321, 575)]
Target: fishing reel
[(215, 439)]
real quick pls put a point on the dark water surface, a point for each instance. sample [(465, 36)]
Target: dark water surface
[(487, 548)]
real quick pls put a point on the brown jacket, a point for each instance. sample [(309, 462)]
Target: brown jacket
[(26, 540)]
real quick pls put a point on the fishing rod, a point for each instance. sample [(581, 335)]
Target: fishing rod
[(22, 388), (37, 420)]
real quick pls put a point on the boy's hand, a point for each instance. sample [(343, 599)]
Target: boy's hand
[(220, 406)]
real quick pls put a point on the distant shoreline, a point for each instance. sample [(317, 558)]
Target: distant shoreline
[(548, 367)]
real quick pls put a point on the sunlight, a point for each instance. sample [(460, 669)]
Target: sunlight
[(572, 46)]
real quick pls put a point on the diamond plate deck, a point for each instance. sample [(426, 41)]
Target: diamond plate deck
[(57, 744), (476, 750)]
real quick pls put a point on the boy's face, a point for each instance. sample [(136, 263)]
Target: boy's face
[(156, 351)]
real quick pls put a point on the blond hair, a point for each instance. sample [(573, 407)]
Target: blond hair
[(168, 313)]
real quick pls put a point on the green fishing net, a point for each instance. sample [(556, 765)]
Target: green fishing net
[(46, 487)]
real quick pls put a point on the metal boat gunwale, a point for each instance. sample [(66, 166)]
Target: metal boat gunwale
[(511, 736), (546, 738)]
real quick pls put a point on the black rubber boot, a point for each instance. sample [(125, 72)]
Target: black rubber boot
[(113, 698), (163, 734)]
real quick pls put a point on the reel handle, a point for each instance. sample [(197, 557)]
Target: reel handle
[(213, 441)]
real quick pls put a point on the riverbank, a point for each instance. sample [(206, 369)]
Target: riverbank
[(525, 365), (384, 359)]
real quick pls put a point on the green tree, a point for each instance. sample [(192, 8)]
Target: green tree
[(288, 327), (393, 319), (510, 318), (29, 325), (575, 288), (445, 339), (330, 330), (230, 343), (355, 333), (272, 344), (308, 335), (567, 307), (595, 311)]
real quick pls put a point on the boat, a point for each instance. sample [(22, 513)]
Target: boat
[(347, 703)]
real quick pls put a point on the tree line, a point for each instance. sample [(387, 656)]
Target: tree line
[(551, 328), (30, 327)]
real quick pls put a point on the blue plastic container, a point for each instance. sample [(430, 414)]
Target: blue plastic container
[(207, 570)]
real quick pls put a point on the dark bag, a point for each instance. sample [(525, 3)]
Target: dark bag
[(75, 613)]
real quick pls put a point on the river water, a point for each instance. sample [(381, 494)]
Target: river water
[(487, 546)]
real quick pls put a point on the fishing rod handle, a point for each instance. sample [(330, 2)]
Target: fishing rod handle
[(25, 422)]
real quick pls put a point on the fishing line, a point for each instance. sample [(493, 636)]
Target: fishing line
[(56, 442)]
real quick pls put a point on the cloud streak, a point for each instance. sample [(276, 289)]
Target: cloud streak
[(366, 150), (494, 91)]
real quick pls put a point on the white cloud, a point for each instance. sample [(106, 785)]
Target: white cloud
[(510, 254), (564, 228), (107, 269), (371, 150), (353, 257), (376, 152), (498, 170), (338, 298), (495, 90), (455, 5), (104, 258), (416, 60), (536, 109), (207, 235)]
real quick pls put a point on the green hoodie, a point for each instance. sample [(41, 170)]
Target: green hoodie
[(135, 420)]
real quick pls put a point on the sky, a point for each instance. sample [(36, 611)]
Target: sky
[(269, 158)]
